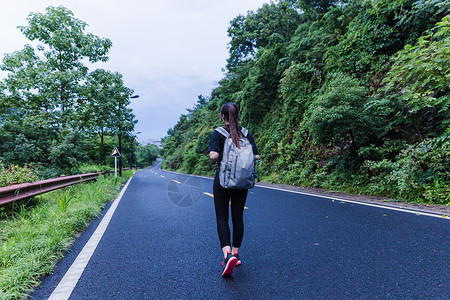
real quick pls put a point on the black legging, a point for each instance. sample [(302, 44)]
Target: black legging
[(221, 202)]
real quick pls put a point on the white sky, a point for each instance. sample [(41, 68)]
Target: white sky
[(169, 51)]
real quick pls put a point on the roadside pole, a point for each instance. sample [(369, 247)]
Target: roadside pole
[(115, 167), (115, 153)]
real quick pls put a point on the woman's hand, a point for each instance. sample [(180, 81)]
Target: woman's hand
[(214, 155)]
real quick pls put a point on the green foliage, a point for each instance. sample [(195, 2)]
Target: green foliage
[(260, 90), (422, 16), (67, 151), (417, 173), (255, 31), (315, 7), (338, 112), (5, 252), (102, 106), (422, 72), (48, 77), (64, 201), (147, 155), (55, 113), (369, 38), (345, 95), (88, 168), (17, 174)]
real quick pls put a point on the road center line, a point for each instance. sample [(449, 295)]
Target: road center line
[(70, 279)]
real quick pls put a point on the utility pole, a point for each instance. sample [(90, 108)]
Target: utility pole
[(133, 141), (120, 150), (120, 134)]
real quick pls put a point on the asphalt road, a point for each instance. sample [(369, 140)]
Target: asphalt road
[(161, 243)]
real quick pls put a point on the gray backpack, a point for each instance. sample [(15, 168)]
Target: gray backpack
[(237, 168)]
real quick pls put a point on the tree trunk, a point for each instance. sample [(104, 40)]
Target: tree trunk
[(353, 153), (100, 151)]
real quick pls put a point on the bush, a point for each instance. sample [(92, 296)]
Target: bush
[(87, 168), (417, 173), (69, 151), (16, 174)]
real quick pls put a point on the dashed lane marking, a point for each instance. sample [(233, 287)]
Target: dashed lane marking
[(176, 181), (245, 207)]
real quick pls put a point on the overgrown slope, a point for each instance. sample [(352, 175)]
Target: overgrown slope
[(347, 95)]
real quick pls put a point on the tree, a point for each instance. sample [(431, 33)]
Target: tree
[(147, 154), (316, 8), (68, 151), (97, 108), (49, 102), (48, 77), (250, 33), (260, 92)]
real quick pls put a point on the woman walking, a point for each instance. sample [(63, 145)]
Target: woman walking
[(229, 114)]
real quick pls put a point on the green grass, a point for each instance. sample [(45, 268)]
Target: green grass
[(36, 234)]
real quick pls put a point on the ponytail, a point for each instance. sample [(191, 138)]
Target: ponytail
[(230, 112)]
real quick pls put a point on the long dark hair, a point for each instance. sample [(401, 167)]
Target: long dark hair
[(230, 113)]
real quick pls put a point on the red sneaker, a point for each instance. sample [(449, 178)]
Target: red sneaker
[(229, 262), (238, 260)]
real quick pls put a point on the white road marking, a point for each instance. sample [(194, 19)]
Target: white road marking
[(70, 279), (419, 213)]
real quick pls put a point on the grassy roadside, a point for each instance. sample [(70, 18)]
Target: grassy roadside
[(35, 235)]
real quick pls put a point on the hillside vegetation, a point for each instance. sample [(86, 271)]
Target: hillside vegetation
[(343, 95)]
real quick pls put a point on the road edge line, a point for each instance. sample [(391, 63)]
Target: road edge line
[(417, 212), (65, 287)]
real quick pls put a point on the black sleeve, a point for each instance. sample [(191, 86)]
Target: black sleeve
[(252, 141), (215, 142)]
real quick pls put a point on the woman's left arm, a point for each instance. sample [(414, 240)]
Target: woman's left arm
[(214, 155), (255, 149)]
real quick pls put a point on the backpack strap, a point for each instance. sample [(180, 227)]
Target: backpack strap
[(223, 132), (244, 132)]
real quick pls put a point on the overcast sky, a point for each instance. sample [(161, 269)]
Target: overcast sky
[(169, 51)]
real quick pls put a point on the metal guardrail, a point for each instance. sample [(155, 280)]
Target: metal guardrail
[(20, 191)]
